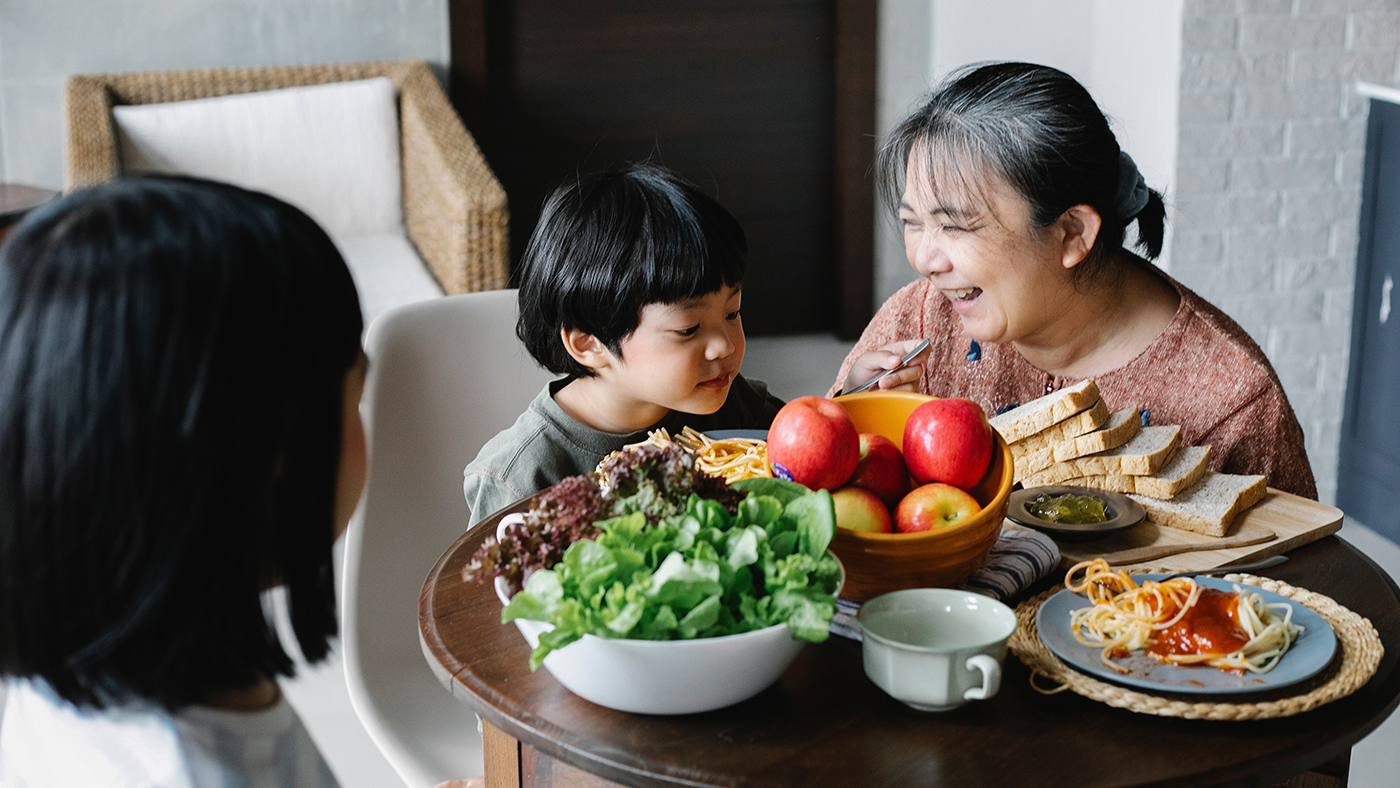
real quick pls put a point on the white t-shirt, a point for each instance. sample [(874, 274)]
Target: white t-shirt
[(46, 741)]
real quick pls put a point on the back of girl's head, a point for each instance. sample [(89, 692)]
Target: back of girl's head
[(608, 244), (1039, 129), (172, 359)]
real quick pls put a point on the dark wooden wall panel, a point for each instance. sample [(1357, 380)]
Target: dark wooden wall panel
[(857, 25), (740, 96)]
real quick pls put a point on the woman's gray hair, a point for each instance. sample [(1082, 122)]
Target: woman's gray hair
[(1040, 130)]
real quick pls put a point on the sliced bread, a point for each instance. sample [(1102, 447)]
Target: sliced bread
[(1149, 450), (1035, 462), (1072, 427), (1209, 506), (1028, 419), (1118, 430), (1185, 468)]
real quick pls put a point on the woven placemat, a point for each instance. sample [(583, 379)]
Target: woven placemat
[(1357, 641)]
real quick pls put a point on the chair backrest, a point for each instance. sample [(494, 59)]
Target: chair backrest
[(444, 377)]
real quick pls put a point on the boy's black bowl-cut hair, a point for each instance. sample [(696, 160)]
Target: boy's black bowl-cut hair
[(610, 243), (172, 361)]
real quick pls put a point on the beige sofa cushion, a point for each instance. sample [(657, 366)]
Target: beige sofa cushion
[(387, 272), (331, 150)]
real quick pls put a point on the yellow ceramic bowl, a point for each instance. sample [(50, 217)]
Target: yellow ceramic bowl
[(878, 563)]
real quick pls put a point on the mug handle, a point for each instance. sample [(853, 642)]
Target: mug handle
[(991, 677)]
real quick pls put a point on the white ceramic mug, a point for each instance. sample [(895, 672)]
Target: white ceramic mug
[(935, 648)]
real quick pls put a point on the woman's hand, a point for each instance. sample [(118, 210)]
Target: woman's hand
[(868, 365)]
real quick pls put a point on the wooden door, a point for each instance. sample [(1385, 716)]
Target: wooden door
[(767, 104), (1368, 473)]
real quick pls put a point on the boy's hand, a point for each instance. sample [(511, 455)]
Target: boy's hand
[(870, 364)]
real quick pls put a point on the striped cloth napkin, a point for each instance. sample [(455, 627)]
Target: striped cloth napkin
[(1018, 559)]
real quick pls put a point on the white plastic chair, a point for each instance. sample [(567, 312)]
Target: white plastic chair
[(444, 377)]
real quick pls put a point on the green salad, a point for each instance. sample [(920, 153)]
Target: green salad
[(700, 573)]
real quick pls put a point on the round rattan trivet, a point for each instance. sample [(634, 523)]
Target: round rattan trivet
[(1357, 640)]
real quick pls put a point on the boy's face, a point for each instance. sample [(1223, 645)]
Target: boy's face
[(683, 356)]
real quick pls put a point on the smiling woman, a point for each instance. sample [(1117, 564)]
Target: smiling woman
[(1015, 201)]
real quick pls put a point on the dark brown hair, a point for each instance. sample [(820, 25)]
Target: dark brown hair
[(172, 362), (610, 243)]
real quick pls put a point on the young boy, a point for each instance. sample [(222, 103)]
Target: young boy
[(630, 289)]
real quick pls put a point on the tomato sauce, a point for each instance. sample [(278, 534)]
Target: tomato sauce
[(1211, 626)]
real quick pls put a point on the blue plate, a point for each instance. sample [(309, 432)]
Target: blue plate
[(1309, 655), (719, 435)]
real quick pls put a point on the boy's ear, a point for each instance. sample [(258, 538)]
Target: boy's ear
[(585, 348)]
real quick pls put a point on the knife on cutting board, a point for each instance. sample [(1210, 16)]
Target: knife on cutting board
[(1138, 555)]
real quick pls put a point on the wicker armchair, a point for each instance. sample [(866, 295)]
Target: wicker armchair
[(454, 208)]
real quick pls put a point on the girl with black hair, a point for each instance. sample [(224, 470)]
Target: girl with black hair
[(1015, 199), (180, 373), (630, 291)]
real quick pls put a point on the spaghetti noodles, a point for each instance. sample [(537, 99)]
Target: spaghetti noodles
[(731, 458), (1178, 622)]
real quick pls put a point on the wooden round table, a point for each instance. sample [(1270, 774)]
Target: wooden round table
[(825, 724), (16, 200)]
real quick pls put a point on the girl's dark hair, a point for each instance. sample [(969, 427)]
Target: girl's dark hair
[(1039, 129), (608, 244), (172, 361)]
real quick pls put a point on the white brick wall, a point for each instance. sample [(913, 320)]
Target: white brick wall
[(1264, 217)]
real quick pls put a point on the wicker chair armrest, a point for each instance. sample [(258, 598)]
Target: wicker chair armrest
[(93, 155), (454, 208)]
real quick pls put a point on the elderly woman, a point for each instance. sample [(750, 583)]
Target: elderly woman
[(1014, 199)]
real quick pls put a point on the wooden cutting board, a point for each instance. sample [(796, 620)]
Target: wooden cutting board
[(1293, 519)]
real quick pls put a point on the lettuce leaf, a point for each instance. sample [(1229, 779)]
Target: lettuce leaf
[(786, 492), (815, 517)]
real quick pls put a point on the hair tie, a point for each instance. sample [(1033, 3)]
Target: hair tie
[(1132, 189)]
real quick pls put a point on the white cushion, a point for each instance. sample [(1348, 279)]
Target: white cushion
[(387, 272), (331, 150)]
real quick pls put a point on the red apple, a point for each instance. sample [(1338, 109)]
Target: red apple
[(861, 510), (813, 442), (933, 505), (880, 469), (949, 441)]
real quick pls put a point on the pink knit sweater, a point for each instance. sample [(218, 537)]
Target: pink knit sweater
[(1203, 372)]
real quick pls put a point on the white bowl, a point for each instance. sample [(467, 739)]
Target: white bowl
[(663, 676), (666, 676)]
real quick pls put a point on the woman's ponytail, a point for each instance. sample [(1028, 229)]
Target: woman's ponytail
[(1152, 224)]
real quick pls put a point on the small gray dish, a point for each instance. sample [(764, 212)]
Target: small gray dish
[(1123, 513), (719, 435)]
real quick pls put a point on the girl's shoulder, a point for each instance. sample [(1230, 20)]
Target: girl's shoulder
[(141, 744)]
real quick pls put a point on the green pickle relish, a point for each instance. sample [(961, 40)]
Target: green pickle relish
[(1068, 508)]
